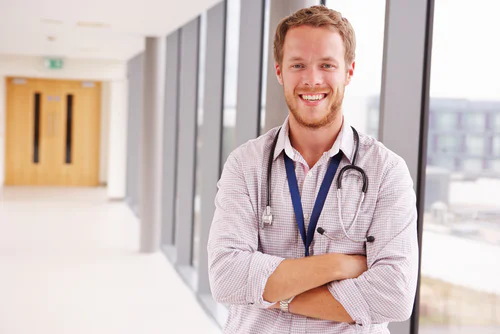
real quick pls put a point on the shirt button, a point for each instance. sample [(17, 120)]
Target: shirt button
[(306, 216), (309, 174)]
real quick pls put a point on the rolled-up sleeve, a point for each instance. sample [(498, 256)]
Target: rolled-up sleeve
[(238, 272), (386, 291)]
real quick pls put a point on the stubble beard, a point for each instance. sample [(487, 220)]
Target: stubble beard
[(334, 109)]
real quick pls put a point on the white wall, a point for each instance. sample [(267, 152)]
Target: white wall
[(105, 71), (117, 162)]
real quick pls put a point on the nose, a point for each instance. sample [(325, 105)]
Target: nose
[(312, 77)]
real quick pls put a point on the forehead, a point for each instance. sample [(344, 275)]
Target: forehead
[(313, 42)]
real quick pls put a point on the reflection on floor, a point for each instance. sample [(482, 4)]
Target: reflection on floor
[(70, 264)]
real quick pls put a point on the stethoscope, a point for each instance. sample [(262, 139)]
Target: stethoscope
[(267, 218)]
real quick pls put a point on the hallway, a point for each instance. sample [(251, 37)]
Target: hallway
[(70, 264)]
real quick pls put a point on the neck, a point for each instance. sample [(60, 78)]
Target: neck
[(313, 142)]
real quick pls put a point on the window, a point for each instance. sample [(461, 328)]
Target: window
[(230, 78), (265, 55), (474, 121), (362, 96), (459, 289), (496, 145), (199, 144), (474, 144), (448, 143), (446, 120)]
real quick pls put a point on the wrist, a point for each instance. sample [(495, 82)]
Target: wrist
[(338, 269)]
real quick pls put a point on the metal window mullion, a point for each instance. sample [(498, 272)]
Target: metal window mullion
[(211, 133), (170, 133), (404, 101), (186, 156)]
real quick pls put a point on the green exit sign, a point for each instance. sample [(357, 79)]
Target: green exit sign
[(54, 63)]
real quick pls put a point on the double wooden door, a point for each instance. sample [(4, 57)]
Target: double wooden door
[(53, 132)]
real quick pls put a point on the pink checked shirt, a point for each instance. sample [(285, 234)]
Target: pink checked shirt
[(242, 255)]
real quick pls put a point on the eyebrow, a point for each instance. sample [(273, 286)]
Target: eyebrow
[(322, 59)]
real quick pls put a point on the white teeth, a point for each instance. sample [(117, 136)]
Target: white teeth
[(313, 97)]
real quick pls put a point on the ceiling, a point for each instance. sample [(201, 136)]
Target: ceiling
[(95, 29)]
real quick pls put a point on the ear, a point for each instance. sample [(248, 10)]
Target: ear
[(279, 75), (350, 72)]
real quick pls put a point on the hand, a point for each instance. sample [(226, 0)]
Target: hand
[(351, 266)]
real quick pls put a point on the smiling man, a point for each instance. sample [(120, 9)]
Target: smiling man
[(315, 225)]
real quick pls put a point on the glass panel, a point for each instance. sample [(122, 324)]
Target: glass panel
[(460, 290), (496, 122), (362, 96), (496, 145), (446, 120), (69, 126), (230, 77), (475, 145), (195, 244), (474, 121), (36, 137), (448, 143), (265, 54)]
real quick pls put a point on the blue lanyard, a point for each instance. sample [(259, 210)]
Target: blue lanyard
[(320, 200)]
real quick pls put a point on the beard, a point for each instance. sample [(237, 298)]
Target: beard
[(334, 108)]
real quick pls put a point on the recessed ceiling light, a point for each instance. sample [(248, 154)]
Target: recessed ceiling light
[(100, 25)]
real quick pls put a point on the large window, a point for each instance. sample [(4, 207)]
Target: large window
[(460, 290), (199, 144), (230, 77), (361, 101)]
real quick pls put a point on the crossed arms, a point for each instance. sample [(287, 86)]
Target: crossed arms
[(377, 289)]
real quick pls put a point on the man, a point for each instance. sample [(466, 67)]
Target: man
[(278, 274)]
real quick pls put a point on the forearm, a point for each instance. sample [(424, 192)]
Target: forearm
[(319, 303), (295, 276)]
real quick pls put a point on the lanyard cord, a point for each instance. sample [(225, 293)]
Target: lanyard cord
[(320, 200)]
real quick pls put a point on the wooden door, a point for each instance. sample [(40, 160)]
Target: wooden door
[(53, 132)]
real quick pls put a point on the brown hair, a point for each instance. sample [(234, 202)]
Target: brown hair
[(316, 16)]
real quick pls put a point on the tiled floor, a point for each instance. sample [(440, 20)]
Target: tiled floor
[(69, 263)]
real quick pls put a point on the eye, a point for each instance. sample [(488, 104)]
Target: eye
[(297, 66), (328, 66)]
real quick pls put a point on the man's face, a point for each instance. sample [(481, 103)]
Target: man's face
[(314, 75)]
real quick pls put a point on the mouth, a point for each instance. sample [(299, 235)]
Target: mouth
[(313, 99)]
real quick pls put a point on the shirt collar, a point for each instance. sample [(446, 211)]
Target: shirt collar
[(344, 142)]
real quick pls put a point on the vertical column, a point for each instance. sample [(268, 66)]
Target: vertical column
[(404, 100), (211, 133), (135, 76), (151, 143), (117, 163), (276, 108), (170, 133), (186, 151), (3, 121), (249, 70)]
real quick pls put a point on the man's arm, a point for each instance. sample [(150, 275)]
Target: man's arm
[(239, 273), (295, 276), (318, 303), (386, 291)]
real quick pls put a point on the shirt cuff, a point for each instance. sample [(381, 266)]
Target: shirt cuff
[(347, 293), (261, 267)]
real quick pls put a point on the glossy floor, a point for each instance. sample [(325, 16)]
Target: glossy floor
[(70, 264)]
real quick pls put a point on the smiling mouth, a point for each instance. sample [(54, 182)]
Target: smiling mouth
[(313, 97)]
